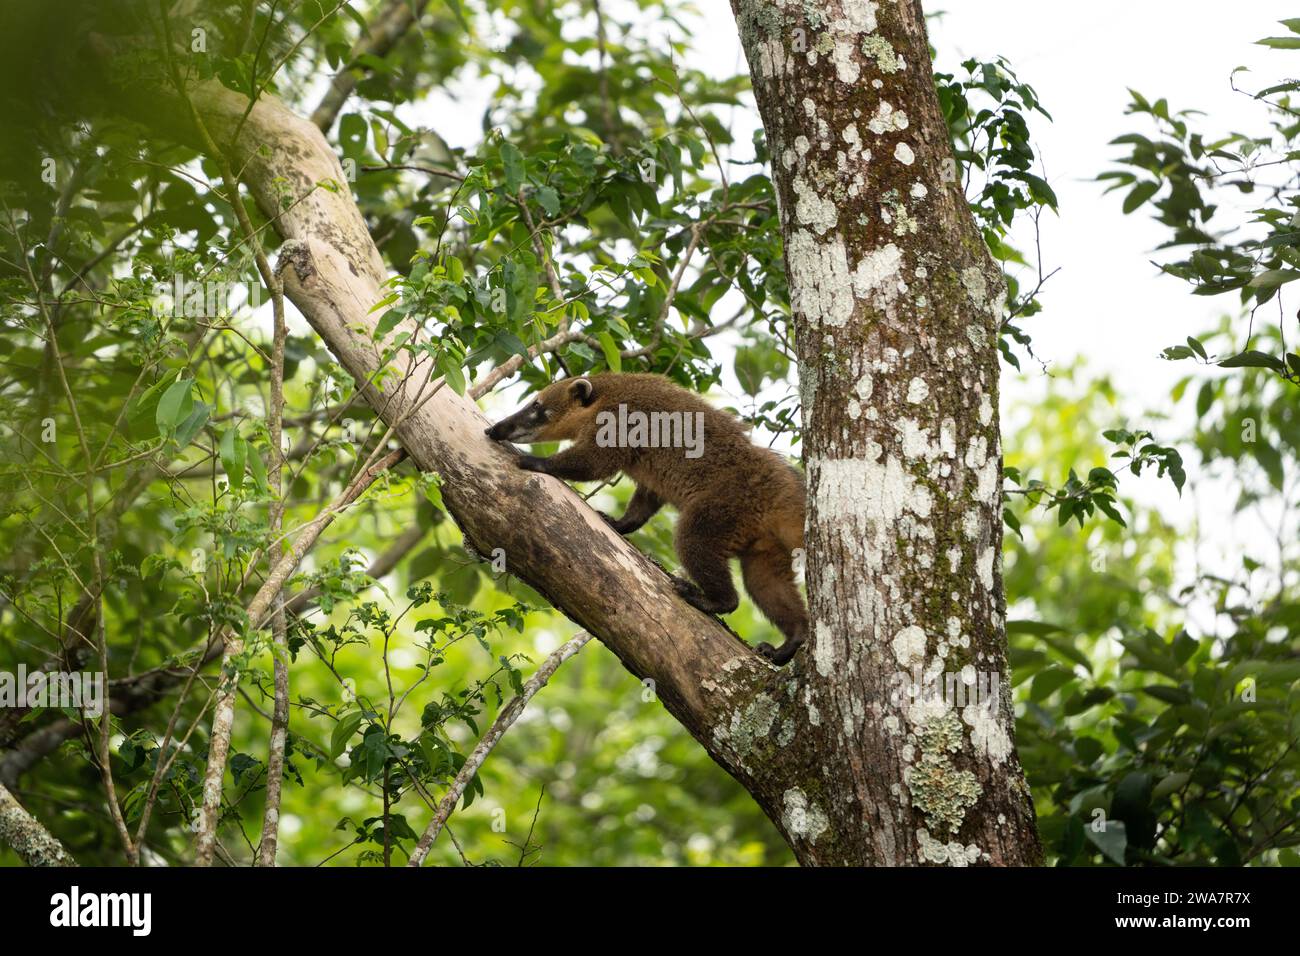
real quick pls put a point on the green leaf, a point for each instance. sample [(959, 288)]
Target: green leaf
[(1088, 749), (748, 366), (192, 424), (1204, 399), (1273, 278), (458, 12), (391, 319), (149, 397), (610, 348), (472, 789), (343, 731), (1170, 695), (353, 133), (357, 18), (1112, 841), (1171, 782), (175, 406), (1251, 358), (1107, 507), (1047, 681), (234, 452), (549, 200), (521, 291), (433, 491), (512, 343), (452, 372), (1140, 194), (513, 161), (258, 468)]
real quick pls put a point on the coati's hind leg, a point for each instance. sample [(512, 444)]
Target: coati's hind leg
[(702, 547), (769, 580), (643, 506)]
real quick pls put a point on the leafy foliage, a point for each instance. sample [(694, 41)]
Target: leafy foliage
[(1144, 743), (1187, 176)]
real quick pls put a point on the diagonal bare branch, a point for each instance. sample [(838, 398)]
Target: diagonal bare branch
[(509, 714)]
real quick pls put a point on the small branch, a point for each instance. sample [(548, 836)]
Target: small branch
[(539, 248), (606, 110), (36, 745), (147, 688), (384, 34), (512, 364), (279, 641), (696, 231), (30, 840), (379, 568), (526, 847), (416, 168), (509, 714), (258, 610)]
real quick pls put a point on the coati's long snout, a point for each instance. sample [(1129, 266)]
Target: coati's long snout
[(522, 426)]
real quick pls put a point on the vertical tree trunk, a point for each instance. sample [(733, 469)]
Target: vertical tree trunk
[(896, 310)]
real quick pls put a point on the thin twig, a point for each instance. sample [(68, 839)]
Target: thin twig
[(509, 714)]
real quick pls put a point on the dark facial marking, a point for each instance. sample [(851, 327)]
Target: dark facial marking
[(520, 425)]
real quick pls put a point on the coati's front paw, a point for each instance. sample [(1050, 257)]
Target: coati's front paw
[(698, 598), (615, 523), (531, 463), (778, 655), (690, 592)]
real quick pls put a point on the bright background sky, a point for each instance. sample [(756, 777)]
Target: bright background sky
[(1107, 304)]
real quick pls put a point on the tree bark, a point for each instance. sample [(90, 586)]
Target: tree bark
[(29, 839), (896, 307)]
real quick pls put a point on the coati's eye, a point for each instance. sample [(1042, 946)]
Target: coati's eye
[(539, 410)]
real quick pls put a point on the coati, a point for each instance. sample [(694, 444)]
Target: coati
[(734, 499)]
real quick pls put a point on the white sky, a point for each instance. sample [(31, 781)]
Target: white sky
[(1108, 304)]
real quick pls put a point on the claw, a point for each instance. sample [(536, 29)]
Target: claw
[(779, 655), (690, 593), (686, 589)]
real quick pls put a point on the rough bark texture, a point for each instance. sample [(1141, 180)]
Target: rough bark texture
[(31, 841), (896, 306)]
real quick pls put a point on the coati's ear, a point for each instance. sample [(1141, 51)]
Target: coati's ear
[(583, 391)]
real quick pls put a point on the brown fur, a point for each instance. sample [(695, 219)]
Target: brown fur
[(734, 500)]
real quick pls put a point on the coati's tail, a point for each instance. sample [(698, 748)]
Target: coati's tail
[(769, 579)]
